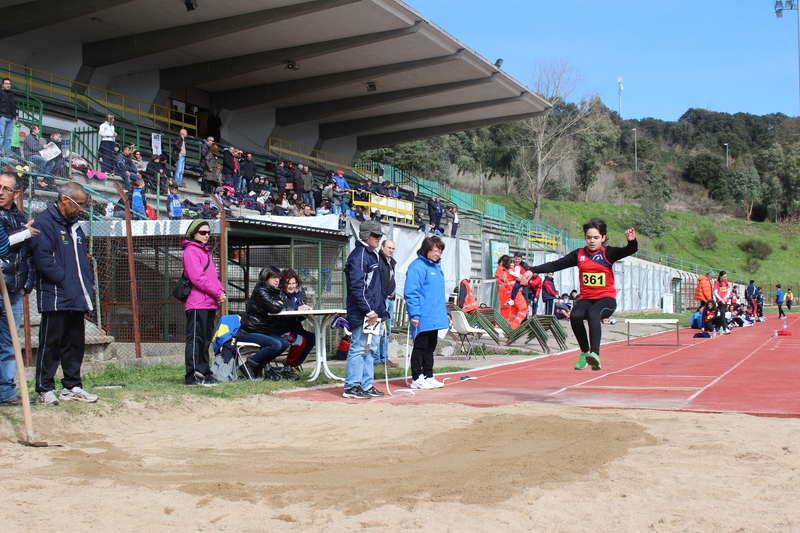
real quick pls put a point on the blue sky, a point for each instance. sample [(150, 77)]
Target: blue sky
[(728, 56)]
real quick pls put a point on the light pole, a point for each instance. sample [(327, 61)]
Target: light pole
[(780, 7), (635, 153), (727, 161)]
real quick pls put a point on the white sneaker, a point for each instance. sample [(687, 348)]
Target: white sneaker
[(433, 381), (421, 383), (47, 398), (77, 393)]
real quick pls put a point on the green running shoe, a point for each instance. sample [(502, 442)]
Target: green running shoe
[(594, 360), (581, 364)]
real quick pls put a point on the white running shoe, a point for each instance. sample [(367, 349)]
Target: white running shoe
[(47, 398), (421, 383), (77, 393), (435, 382)]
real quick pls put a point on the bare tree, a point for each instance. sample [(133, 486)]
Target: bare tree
[(546, 141)]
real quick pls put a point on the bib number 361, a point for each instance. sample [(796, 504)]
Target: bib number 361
[(594, 279)]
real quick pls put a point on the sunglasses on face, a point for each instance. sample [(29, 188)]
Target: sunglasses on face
[(79, 206), (203, 232)]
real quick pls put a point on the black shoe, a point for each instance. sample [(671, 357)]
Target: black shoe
[(356, 392), (270, 374), (193, 382), (211, 380), (288, 374), (252, 369), (375, 393)]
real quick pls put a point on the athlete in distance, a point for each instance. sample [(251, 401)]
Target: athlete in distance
[(597, 299)]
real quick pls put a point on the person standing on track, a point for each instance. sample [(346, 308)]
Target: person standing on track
[(779, 299), (597, 298)]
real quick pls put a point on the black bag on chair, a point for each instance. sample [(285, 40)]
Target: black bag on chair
[(183, 287)]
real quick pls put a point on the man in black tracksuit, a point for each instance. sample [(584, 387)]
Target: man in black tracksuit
[(64, 293)]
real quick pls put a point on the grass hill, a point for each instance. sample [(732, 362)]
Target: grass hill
[(684, 239)]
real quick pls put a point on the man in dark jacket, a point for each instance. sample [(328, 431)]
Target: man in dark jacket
[(307, 186), (282, 176), (365, 307), (435, 213), (31, 147), (8, 114), (19, 277), (388, 263), (179, 156), (230, 167), (64, 293), (248, 168), (549, 293)]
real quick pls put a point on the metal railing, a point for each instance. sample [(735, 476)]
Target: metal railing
[(303, 154), (66, 90)]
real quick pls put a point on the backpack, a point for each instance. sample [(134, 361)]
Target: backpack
[(697, 320), (224, 366), (702, 335)]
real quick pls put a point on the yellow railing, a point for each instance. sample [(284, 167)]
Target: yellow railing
[(552, 239), (304, 154), (56, 87), (400, 210)]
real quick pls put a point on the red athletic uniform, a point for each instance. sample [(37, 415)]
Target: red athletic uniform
[(596, 274)]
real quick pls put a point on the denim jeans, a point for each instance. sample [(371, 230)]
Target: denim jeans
[(337, 210), (6, 131), (382, 353), (271, 346), (180, 165), (107, 153), (360, 366), (8, 363), (43, 165), (308, 198)]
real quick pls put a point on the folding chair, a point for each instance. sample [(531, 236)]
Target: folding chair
[(483, 317), (243, 351), (550, 323), (465, 334)]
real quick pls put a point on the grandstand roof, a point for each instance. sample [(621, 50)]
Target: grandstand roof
[(238, 56)]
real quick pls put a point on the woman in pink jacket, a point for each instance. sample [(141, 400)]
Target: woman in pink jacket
[(201, 306)]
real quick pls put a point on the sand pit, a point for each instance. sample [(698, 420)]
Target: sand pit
[(270, 464)]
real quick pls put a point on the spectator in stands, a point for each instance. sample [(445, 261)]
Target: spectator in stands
[(369, 187), (282, 176), (254, 188), (15, 140), (174, 208), (230, 168), (64, 292), (204, 148), (19, 277), (212, 175), (425, 302), (248, 168), (138, 200), (179, 156), (365, 308), (358, 213), (295, 204), (376, 215), (61, 164), (154, 172), (344, 187), (201, 306), (549, 293), (332, 194), (420, 221), (125, 167), (306, 187), (381, 188), (108, 137), (435, 213), (136, 156), (214, 124), (396, 191), (325, 208), (258, 323), (452, 222), (32, 147), (306, 211), (705, 288), (318, 188), (8, 114)]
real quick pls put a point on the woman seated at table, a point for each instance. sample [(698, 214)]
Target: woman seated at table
[(257, 325), (291, 327)]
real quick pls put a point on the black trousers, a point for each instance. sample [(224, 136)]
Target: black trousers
[(199, 332), (422, 353), (62, 338), (593, 311)]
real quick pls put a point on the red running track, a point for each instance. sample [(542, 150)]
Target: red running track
[(747, 371)]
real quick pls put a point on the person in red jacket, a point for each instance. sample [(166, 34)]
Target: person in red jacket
[(597, 299)]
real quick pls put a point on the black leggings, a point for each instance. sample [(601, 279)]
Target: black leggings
[(593, 311)]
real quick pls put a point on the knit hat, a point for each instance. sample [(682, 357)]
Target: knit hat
[(194, 227), (368, 228)]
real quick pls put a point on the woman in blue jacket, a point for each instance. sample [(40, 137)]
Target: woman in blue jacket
[(427, 312)]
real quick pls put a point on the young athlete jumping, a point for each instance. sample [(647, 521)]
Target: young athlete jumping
[(597, 298)]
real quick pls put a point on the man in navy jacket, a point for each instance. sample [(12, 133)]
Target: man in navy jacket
[(364, 302), (64, 293)]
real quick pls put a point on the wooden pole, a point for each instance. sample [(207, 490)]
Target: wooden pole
[(137, 341), (26, 310), (223, 250)]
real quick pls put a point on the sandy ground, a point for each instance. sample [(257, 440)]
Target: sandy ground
[(273, 464)]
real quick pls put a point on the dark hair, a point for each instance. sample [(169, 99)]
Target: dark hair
[(12, 176), (711, 305), (596, 223), (505, 261), (428, 243), (288, 274), (267, 273), (721, 273), (778, 286)]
